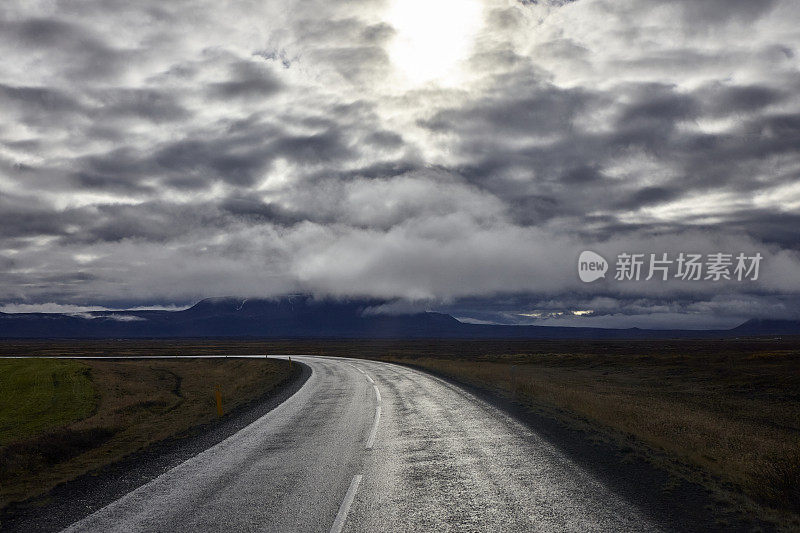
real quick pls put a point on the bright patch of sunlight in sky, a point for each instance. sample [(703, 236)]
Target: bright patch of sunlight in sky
[(433, 38)]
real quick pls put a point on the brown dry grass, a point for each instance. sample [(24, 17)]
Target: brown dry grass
[(140, 402), (731, 423)]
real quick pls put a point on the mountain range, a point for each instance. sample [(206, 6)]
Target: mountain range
[(305, 317)]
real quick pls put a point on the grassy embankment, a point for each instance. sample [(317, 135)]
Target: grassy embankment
[(62, 418)]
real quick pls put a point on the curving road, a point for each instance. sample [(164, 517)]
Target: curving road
[(369, 446)]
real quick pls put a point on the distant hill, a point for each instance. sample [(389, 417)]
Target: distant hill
[(305, 317), (759, 326)]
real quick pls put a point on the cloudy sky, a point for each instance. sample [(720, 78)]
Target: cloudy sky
[(443, 154)]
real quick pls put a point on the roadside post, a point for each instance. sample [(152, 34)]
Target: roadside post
[(218, 396)]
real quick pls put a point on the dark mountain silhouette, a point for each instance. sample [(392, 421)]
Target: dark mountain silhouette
[(760, 326), (302, 316)]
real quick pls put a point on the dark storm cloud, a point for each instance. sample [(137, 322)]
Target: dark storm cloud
[(582, 174), (23, 216), (721, 11), (156, 222), (385, 139), (311, 149), (247, 80), (543, 110), (147, 104), (79, 52), (773, 227), (38, 105), (723, 100), (245, 152), (252, 210), (164, 150), (109, 182), (238, 154), (649, 195), (657, 106), (383, 169), (209, 159), (649, 119), (38, 99), (153, 223)]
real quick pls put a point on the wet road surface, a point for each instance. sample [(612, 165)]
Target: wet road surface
[(370, 446)]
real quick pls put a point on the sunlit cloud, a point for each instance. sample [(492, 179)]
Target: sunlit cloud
[(442, 151)]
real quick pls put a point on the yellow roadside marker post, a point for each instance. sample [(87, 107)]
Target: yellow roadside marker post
[(218, 396), (290, 362)]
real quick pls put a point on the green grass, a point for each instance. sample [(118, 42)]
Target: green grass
[(37, 396), (60, 419)]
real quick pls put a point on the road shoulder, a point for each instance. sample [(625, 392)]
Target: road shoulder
[(676, 504)]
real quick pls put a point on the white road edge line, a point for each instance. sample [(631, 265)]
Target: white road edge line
[(354, 366), (341, 516), (371, 440), (374, 431)]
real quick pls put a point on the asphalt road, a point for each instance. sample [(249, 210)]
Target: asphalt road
[(369, 446)]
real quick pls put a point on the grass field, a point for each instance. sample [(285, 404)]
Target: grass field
[(42, 395), (60, 419), (725, 413)]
